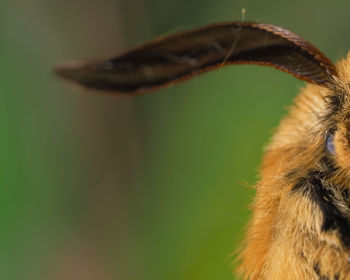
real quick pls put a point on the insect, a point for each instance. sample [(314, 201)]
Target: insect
[(300, 227)]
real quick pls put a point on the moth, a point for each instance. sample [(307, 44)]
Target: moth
[(300, 226)]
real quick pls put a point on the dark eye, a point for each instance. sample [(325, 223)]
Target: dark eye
[(330, 144)]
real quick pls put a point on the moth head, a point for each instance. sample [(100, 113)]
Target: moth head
[(337, 117)]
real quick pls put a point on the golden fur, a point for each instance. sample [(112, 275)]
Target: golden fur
[(285, 239)]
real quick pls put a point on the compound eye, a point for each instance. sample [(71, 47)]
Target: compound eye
[(330, 144)]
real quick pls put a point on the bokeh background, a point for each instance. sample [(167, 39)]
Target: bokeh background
[(157, 187)]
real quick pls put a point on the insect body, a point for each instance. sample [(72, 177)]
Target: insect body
[(300, 227)]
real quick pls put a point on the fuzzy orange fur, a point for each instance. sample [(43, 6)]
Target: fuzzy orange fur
[(284, 239)]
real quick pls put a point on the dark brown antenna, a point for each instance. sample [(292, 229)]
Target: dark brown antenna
[(175, 58)]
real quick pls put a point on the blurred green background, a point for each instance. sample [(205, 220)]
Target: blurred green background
[(157, 187)]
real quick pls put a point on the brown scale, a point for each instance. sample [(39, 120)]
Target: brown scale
[(300, 228)]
